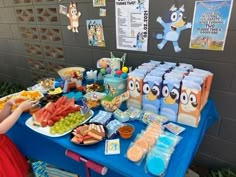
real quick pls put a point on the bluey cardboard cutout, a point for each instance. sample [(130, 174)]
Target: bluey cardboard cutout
[(173, 28)]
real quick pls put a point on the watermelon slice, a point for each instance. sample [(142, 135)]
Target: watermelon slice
[(53, 112), (37, 118), (50, 107)]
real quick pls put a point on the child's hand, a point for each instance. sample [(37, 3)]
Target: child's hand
[(26, 105), (10, 102)]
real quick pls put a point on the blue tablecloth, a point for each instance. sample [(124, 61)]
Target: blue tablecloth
[(52, 150)]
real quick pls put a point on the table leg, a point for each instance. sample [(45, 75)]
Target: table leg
[(88, 163)]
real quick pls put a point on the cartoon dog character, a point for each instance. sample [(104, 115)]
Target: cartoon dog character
[(134, 88), (140, 5), (140, 40), (74, 15), (170, 100), (111, 90), (189, 107), (100, 37), (151, 94), (173, 28), (92, 39)]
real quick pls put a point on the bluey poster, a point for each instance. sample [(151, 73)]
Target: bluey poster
[(210, 24), (99, 3), (95, 33), (132, 24)]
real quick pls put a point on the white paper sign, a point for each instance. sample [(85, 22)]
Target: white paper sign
[(132, 24), (210, 24)]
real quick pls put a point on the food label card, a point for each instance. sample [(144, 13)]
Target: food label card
[(112, 147), (173, 128)]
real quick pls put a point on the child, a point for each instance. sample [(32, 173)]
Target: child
[(12, 162)]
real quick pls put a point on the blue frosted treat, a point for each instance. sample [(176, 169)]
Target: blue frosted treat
[(169, 142), (163, 147), (156, 165)]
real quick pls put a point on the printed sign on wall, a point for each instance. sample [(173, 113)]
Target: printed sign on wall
[(210, 25), (132, 24)]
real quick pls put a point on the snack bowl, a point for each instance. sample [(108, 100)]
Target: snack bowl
[(37, 87), (71, 72), (46, 83), (30, 95), (55, 91), (126, 131)]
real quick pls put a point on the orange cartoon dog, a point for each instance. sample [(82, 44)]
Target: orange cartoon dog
[(74, 15), (189, 108)]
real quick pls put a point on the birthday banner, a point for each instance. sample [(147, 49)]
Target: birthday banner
[(132, 24), (210, 24)]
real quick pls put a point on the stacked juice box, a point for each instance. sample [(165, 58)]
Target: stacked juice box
[(176, 91)]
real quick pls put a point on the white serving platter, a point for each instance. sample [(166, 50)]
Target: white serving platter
[(46, 130)]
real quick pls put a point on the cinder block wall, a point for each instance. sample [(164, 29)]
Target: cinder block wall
[(35, 43)]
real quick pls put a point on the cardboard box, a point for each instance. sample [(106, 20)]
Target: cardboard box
[(135, 89), (190, 104)]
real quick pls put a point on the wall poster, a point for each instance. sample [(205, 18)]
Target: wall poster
[(99, 3), (210, 24), (95, 33), (132, 24)]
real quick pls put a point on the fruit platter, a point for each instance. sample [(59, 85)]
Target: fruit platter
[(58, 118), (88, 134), (20, 97)]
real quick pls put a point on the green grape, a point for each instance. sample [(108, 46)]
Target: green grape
[(68, 123), (60, 131), (53, 132)]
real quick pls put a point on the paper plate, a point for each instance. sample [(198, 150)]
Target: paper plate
[(82, 143)]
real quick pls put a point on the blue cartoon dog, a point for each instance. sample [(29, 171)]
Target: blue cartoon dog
[(92, 38), (140, 5), (139, 40), (173, 28)]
